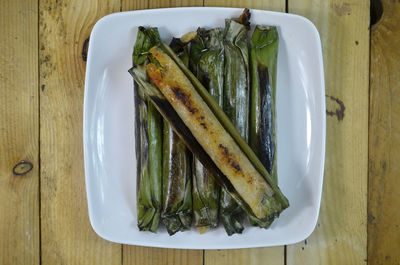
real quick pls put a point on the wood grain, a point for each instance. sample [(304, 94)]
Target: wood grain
[(274, 5), (160, 256), (129, 5), (173, 3), (19, 133), (384, 139), (67, 237), (341, 235), (252, 256)]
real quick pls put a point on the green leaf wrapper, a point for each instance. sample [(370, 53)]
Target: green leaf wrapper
[(263, 56), (148, 137)]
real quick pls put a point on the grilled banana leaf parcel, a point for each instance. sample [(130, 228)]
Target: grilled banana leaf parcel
[(264, 51), (148, 135), (236, 107), (207, 63), (177, 178), (263, 55), (233, 163), (177, 183)]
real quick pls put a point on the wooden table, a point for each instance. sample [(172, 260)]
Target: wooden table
[(43, 212)]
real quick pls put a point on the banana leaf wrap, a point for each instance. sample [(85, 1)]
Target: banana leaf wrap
[(207, 63), (264, 51), (263, 59), (209, 133), (148, 140), (236, 107), (177, 177)]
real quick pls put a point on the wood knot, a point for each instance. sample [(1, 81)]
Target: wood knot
[(85, 49), (22, 168), (342, 9), (338, 112)]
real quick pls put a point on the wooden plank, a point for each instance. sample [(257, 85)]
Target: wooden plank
[(129, 5), (160, 256), (341, 235), (252, 256), (273, 5), (67, 237), (19, 133), (384, 139), (172, 3)]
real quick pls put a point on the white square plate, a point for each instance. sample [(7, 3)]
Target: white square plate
[(109, 127)]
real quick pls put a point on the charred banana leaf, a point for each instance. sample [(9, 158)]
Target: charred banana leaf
[(239, 169), (264, 51), (207, 63), (148, 134), (236, 107), (263, 55), (177, 182), (177, 178)]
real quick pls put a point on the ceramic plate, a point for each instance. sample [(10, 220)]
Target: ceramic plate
[(110, 163)]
